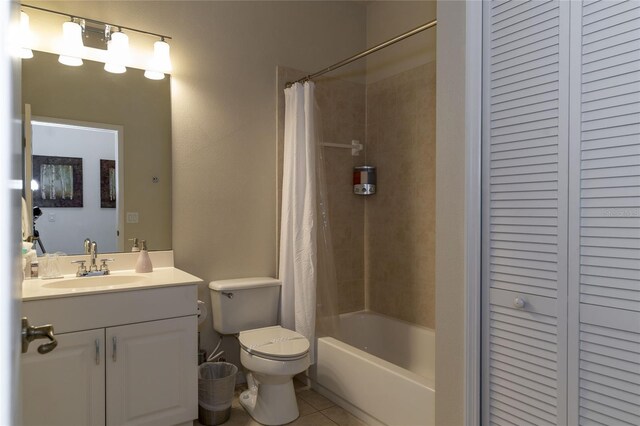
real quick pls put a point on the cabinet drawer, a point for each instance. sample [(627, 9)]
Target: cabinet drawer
[(111, 309)]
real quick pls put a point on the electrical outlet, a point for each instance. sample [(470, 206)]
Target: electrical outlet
[(52, 217), (132, 217)]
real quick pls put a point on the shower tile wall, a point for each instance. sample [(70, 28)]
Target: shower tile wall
[(342, 106), (384, 245), (343, 118), (400, 218)]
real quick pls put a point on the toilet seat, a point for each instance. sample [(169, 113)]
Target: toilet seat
[(275, 343)]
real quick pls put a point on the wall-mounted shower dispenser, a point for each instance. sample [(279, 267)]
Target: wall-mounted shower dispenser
[(364, 180)]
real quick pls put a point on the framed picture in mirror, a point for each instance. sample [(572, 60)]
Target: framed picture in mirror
[(108, 184), (58, 181)]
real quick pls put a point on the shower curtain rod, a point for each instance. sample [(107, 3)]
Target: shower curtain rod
[(366, 52)]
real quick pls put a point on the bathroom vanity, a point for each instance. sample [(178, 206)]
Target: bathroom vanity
[(126, 350)]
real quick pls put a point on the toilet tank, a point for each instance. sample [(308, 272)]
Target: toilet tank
[(244, 304)]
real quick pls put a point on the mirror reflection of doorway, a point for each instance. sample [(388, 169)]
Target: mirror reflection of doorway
[(76, 181)]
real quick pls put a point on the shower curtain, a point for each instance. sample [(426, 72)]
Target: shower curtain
[(309, 298), (298, 226)]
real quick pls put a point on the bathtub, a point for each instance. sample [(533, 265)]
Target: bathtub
[(382, 371)]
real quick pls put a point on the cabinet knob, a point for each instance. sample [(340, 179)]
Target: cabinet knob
[(519, 302)]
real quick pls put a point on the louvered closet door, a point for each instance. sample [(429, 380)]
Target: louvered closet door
[(525, 161), (604, 386)]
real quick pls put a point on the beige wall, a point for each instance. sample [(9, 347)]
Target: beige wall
[(225, 123), (387, 19), (140, 105), (450, 221)]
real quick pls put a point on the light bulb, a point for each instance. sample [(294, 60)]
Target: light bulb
[(26, 37), (154, 75), (72, 47), (161, 62), (117, 53)]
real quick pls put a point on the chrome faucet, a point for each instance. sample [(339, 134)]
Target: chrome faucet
[(93, 251), (91, 248), (87, 245)]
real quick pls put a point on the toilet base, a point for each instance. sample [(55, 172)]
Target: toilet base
[(272, 404)]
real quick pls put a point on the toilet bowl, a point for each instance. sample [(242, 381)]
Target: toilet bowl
[(272, 355), (248, 308)]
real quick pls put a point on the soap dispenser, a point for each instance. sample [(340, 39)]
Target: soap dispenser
[(144, 261), (135, 248)]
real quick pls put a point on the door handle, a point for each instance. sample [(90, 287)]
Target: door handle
[(519, 303), (31, 333), (114, 342)]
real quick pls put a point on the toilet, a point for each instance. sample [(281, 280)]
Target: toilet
[(272, 354)]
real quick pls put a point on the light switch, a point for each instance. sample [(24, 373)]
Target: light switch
[(132, 217)]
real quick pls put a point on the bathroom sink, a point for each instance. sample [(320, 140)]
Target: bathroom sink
[(100, 281)]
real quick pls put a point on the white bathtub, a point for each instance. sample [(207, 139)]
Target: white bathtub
[(383, 371)]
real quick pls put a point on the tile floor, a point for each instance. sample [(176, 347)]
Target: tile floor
[(315, 410)]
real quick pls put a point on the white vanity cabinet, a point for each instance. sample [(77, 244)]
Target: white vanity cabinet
[(136, 363), (151, 372), (67, 385)]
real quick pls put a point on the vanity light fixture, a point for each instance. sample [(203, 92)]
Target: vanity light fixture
[(26, 37), (72, 46), (117, 44), (117, 52), (161, 61)]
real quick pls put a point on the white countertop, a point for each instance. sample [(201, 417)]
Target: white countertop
[(35, 289)]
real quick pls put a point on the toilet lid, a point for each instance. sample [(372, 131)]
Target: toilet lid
[(274, 342)]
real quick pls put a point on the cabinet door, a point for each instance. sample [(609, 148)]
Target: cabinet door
[(66, 386), (152, 372)]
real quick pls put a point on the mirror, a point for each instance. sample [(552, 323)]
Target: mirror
[(99, 147)]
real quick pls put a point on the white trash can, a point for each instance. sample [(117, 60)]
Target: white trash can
[(216, 385)]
